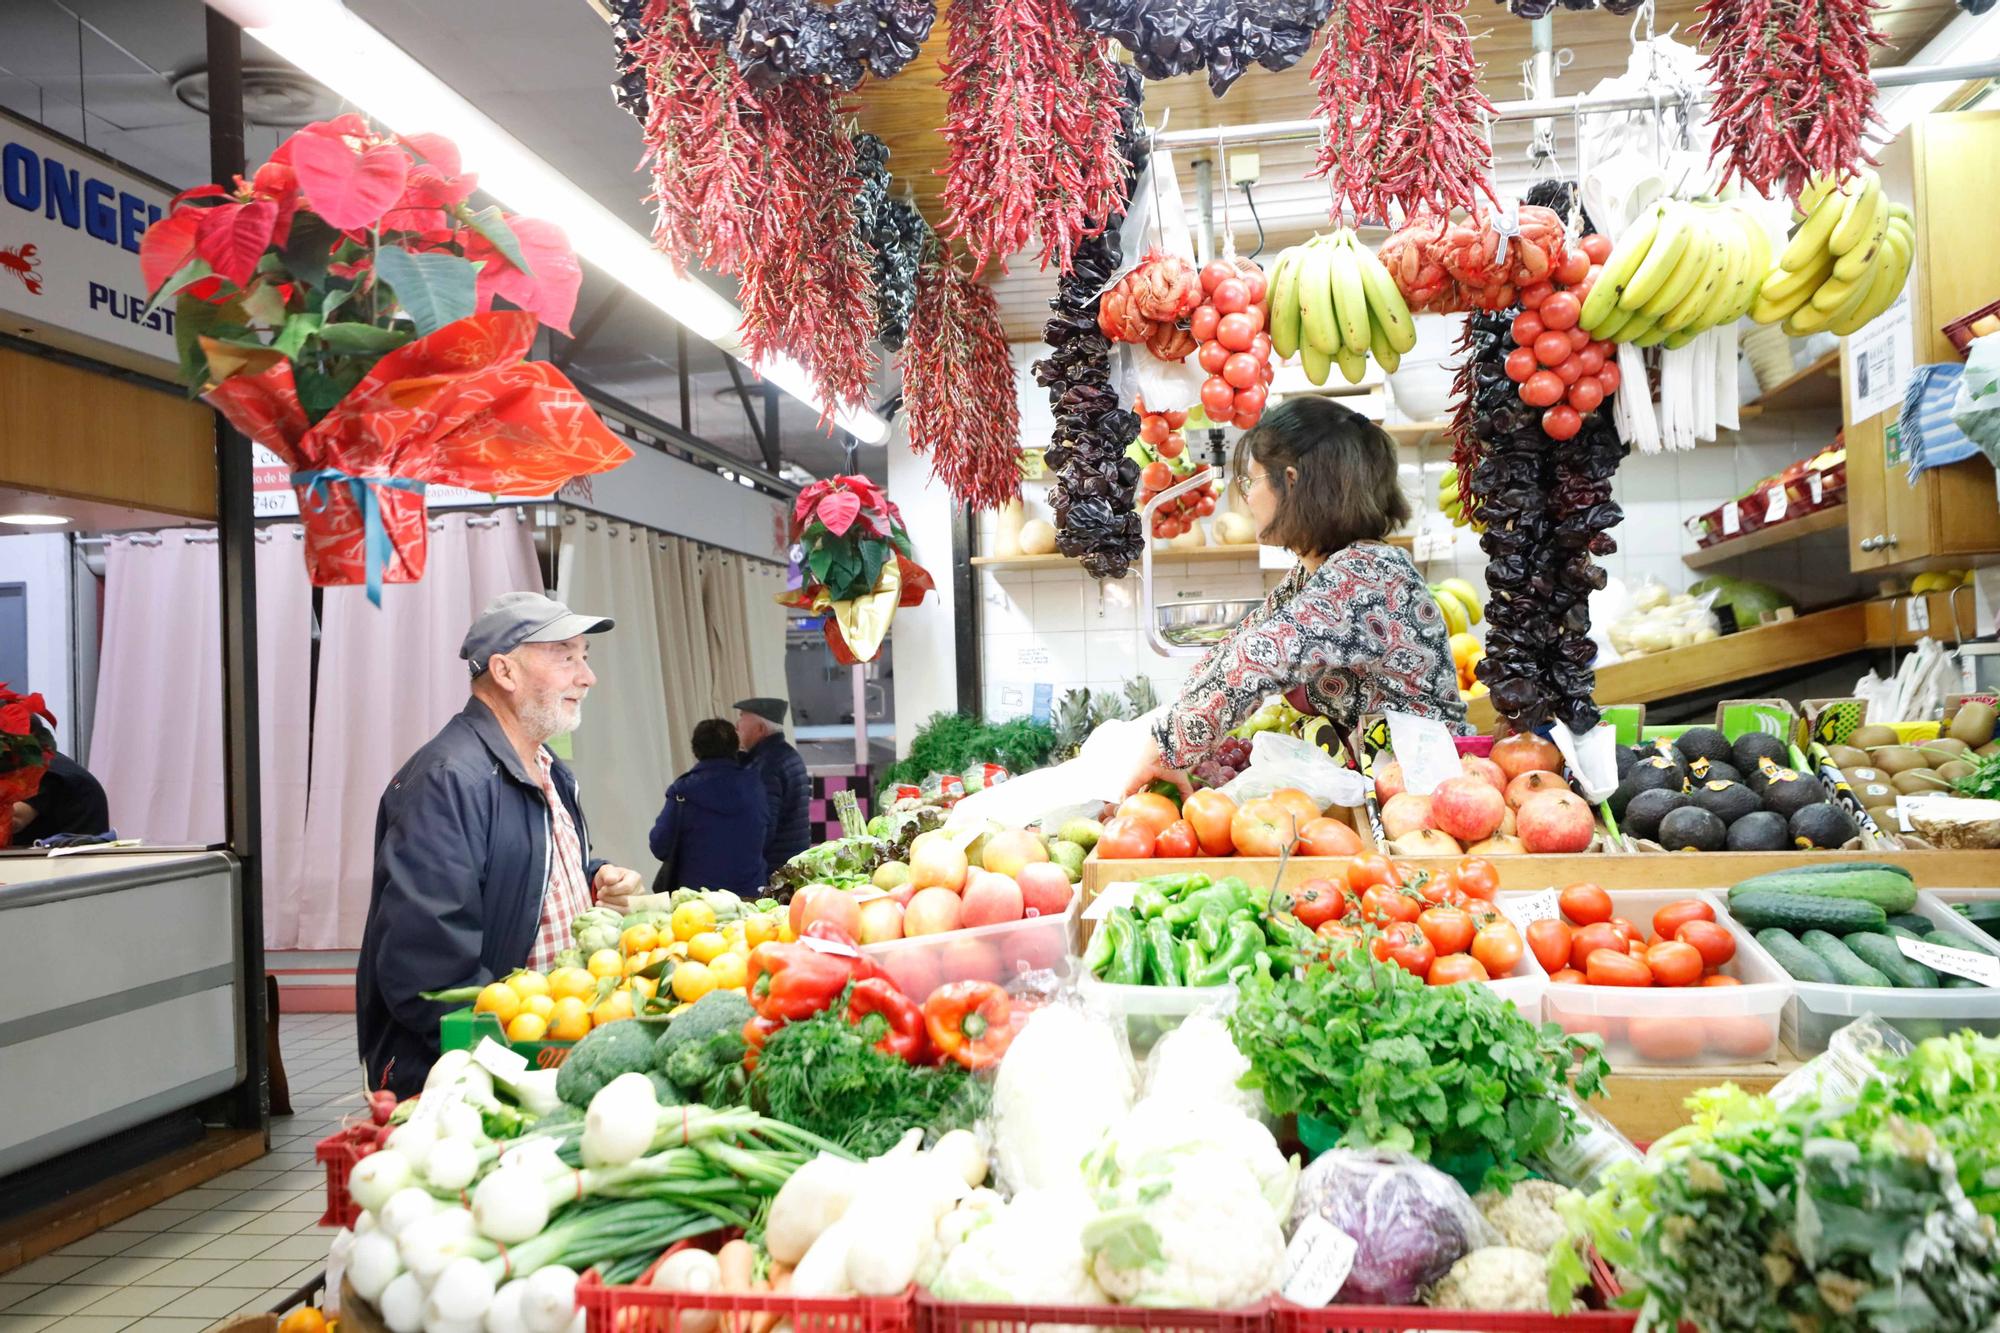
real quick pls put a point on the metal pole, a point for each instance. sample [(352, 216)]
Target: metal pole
[(236, 556), (1204, 196), (858, 675), (1542, 81)]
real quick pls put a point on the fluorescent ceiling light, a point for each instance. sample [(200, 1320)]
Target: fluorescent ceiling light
[(332, 44), (34, 520)]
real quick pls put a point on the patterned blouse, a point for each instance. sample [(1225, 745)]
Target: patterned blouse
[(1360, 634)]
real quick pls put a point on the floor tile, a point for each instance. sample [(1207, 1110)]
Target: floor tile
[(265, 1200), (251, 1177), (305, 1249), (167, 1244), (122, 1271), (257, 1273), (206, 1303), (265, 1301), (187, 1272), (206, 1198), (217, 1223), (11, 1296), (12, 1323), (156, 1324), (49, 1268), (133, 1302), (100, 1244), (236, 1245), (58, 1300), (154, 1219), (280, 1224), (83, 1323)]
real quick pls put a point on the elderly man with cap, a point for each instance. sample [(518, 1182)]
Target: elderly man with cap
[(482, 856), (760, 726)]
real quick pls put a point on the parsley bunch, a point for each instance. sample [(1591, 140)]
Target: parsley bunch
[(1454, 1074)]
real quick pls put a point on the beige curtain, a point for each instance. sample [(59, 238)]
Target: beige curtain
[(762, 585), (682, 636), (728, 626)]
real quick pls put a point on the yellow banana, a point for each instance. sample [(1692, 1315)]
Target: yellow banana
[(1856, 300), (1759, 264), (1675, 234), (1856, 262), (1818, 187), (1652, 337), (1686, 315), (1317, 327), (1385, 356), (1832, 294), (1769, 310), (1350, 298), (1626, 257), (1385, 301), (1728, 301), (1806, 321), (1285, 305), (1676, 341), (1810, 237), (1465, 592), (1687, 274), (1859, 217), (1317, 363), (1882, 292), (1353, 365), (1619, 325), (1779, 284)]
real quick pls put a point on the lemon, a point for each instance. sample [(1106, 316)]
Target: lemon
[(707, 946), (527, 1027), (638, 939), (570, 1020), (616, 1006), (541, 1006), (527, 983), (607, 963), (691, 919), (692, 981), (500, 1000), (760, 929), (729, 971), (566, 982)]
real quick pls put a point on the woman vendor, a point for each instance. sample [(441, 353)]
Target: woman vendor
[(1353, 628)]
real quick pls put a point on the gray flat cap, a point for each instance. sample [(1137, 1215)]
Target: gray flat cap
[(771, 710), (515, 618)]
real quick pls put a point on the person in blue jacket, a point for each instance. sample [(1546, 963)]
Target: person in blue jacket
[(711, 830), (760, 726)]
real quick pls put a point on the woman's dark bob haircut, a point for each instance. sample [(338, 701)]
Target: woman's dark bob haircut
[(715, 738), (1345, 490)]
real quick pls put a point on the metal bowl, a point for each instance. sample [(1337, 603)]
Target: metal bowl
[(1204, 623)]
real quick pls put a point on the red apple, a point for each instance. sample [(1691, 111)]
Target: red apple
[(1533, 783), (881, 919), (1045, 889), (1524, 752), (1388, 782), (1485, 769), (932, 912), (836, 907), (1406, 814), (1556, 821), (991, 901), (1468, 808)]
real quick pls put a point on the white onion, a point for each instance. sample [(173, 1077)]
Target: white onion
[(550, 1303), (364, 1222), (461, 1121), (429, 1245), (504, 1315), (511, 1206), (463, 1292), (402, 1305), (405, 1208), (448, 1069), (619, 1126), (374, 1264), (452, 1165), (377, 1177), (414, 1138)]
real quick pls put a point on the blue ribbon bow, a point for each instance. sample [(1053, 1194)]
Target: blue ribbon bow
[(376, 544)]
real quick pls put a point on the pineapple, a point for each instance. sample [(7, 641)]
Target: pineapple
[(1072, 720), (1140, 696)]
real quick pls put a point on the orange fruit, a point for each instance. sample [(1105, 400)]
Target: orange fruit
[(707, 946), (572, 981), (761, 928), (638, 939), (570, 1020), (729, 971), (527, 1027), (607, 963), (500, 1000), (541, 1006), (692, 981), (691, 919), (646, 987), (615, 1006), (305, 1319), (527, 983)]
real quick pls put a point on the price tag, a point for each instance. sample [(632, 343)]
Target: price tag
[(1983, 968), (1910, 805), (1113, 896), (1526, 909), (1592, 758), (433, 1105), (1918, 614), (1815, 485), (498, 1060), (1425, 750), (1775, 504), (1317, 1262), (1732, 519), (835, 947)]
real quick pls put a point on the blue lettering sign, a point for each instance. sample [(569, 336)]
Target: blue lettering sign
[(100, 219), (131, 220), (20, 177), (73, 197), (64, 193)]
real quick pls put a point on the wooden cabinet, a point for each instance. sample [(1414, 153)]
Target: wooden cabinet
[(1948, 166)]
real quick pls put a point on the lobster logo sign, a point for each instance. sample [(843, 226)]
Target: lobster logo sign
[(19, 263)]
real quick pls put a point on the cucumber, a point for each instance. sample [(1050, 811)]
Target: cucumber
[(1847, 968), (1802, 963), (1839, 868), (1890, 892), (1799, 911), (1880, 952), (1913, 922)]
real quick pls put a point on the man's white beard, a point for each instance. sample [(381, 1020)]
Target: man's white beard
[(546, 721)]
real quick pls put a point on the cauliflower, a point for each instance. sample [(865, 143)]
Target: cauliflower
[(1198, 1062), (1064, 1082), (1159, 1127), (1497, 1277), (1194, 1230), (1526, 1216), (1029, 1252)]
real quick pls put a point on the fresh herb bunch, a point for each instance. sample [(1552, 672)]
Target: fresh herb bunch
[(1983, 782), (954, 742), (824, 1075), (1839, 1217), (1454, 1074)]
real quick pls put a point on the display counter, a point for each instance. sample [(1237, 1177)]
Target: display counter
[(120, 993)]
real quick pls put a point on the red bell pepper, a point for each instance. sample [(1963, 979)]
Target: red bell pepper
[(906, 1035), (756, 1031), (972, 1022), (845, 948), (788, 982)]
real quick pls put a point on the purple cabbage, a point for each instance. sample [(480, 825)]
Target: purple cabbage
[(1410, 1221)]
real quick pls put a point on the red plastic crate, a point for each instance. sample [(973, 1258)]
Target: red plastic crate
[(339, 1151), (935, 1316), (642, 1309), (1290, 1318)]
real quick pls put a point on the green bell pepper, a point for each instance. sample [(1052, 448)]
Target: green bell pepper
[(1149, 902), (1176, 887), (1163, 963), (1232, 897), (1097, 954), (1211, 926)]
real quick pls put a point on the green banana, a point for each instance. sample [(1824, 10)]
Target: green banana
[(1385, 356), (1350, 298), (1687, 275), (1626, 256), (1285, 306), (1317, 363), (1353, 365), (1317, 326)]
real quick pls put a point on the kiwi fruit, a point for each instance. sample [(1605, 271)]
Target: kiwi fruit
[(1955, 770), (1692, 829), (1727, 801), (1948, 745), (1913, 781), (1894, 759), (1988, 750), (1875, 795), (1857, 776), (1790, 792), (1845, 757), (1973, 724), (1760, 831), (1645, 811), (1655, 774), (1823, 826), (1873, 738), (1704, 743), (1755, 745)]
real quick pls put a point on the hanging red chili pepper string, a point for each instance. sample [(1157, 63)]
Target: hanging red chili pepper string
[(958, 385), (1032, 120), (1399, 93), (1793, 94), (702, 141)]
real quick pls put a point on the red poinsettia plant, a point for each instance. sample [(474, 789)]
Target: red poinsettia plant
[(25, 744), (855, 560)]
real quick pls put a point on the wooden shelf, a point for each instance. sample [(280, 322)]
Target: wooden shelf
[(1201, 555), (1414, 432), (1952, 617), (1791, 530), (1808, 388)]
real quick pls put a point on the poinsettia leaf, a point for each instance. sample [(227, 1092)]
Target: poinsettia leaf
[(292, 338), (166, 250), (186, 276), (194, 317), (232, 238), (309, 249), (321, 391), (819, 562), (838, 511), (264, 304), (874, 555), (348, 189), (433, 289), (435, 149), (362, 339), (546, 283), (491, 223)]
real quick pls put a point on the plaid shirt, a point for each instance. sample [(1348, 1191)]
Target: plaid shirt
[(566, 896)]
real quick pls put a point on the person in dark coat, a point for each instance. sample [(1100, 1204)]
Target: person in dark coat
[(482, 856), (70, 800), (712, 828), (760, 727)]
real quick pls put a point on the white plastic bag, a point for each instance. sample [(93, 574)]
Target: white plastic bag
[(1976, 409), (1278, 760), (1098, 775)]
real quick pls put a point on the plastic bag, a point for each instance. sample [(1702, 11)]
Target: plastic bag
[(1198, 1062), (1097, 776), (1409, 1221), (1660, 620), (1976, 409), (1067, 1079), (1278, 760), (1852, 1058)]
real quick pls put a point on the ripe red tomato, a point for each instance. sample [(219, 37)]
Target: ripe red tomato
[(1598, 247), (1318, 901), (1364, 872), (1405, 946), (1498, 947), (1579, 339), (1674, 964), (1569, 372), (1203, 321), (1521, 363), (1449, 929), (1176, 419), (1260, 347), (1664, 1040), (1152, 428), (1340, 938), (1714, 942), (1240, 370), (1609, 378), (1586, 395), (1125, 839), (1720, 979), (1560, 312), (1243, 420), (1231, 296), (1476, 877), (1156, 477), (1177, 839), (1388, 906), (1151, 809), (1252, 399), (1212, 357), (1745, 1036), (1258, 284), (1561, 422), (1328, 837), (1575, 268), (1614, 967), (1552, 348), (1210, 812), (1236, 332), (1678, 913), (1218, 396), (1459, 967), (1592, 938), (1585, 904), (1259, 318), (1214, 274), (1535, 295), (1551, 942), (1528, 326), (1542, 389), (1590, 359), (1205, 506), (1628, 928), (1172, 447), (1568, 976)]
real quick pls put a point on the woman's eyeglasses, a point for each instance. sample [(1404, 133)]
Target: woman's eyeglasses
[(1249, 479)]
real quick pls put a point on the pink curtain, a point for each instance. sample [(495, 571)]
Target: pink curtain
[(284, 675), (389, 678)]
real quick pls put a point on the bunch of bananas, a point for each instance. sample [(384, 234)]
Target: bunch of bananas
[(1460, 603), (1452, 505), (1333, 301), (1846, 262), (1681, 270)]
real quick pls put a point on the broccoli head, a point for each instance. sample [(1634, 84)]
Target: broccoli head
[(624, 1047), (705, 1042)]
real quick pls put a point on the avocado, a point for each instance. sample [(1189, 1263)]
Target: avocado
[(1790, 792), (1704, 743), (1727, 801), (1713, 770), (1760, 777), (1824, 825), (1760, 831), (1670, 752), (1626, 757), (1845, 757), (1692, 829), (1655, 774), (1869, 738), (1643, 815), (1755, 745)]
